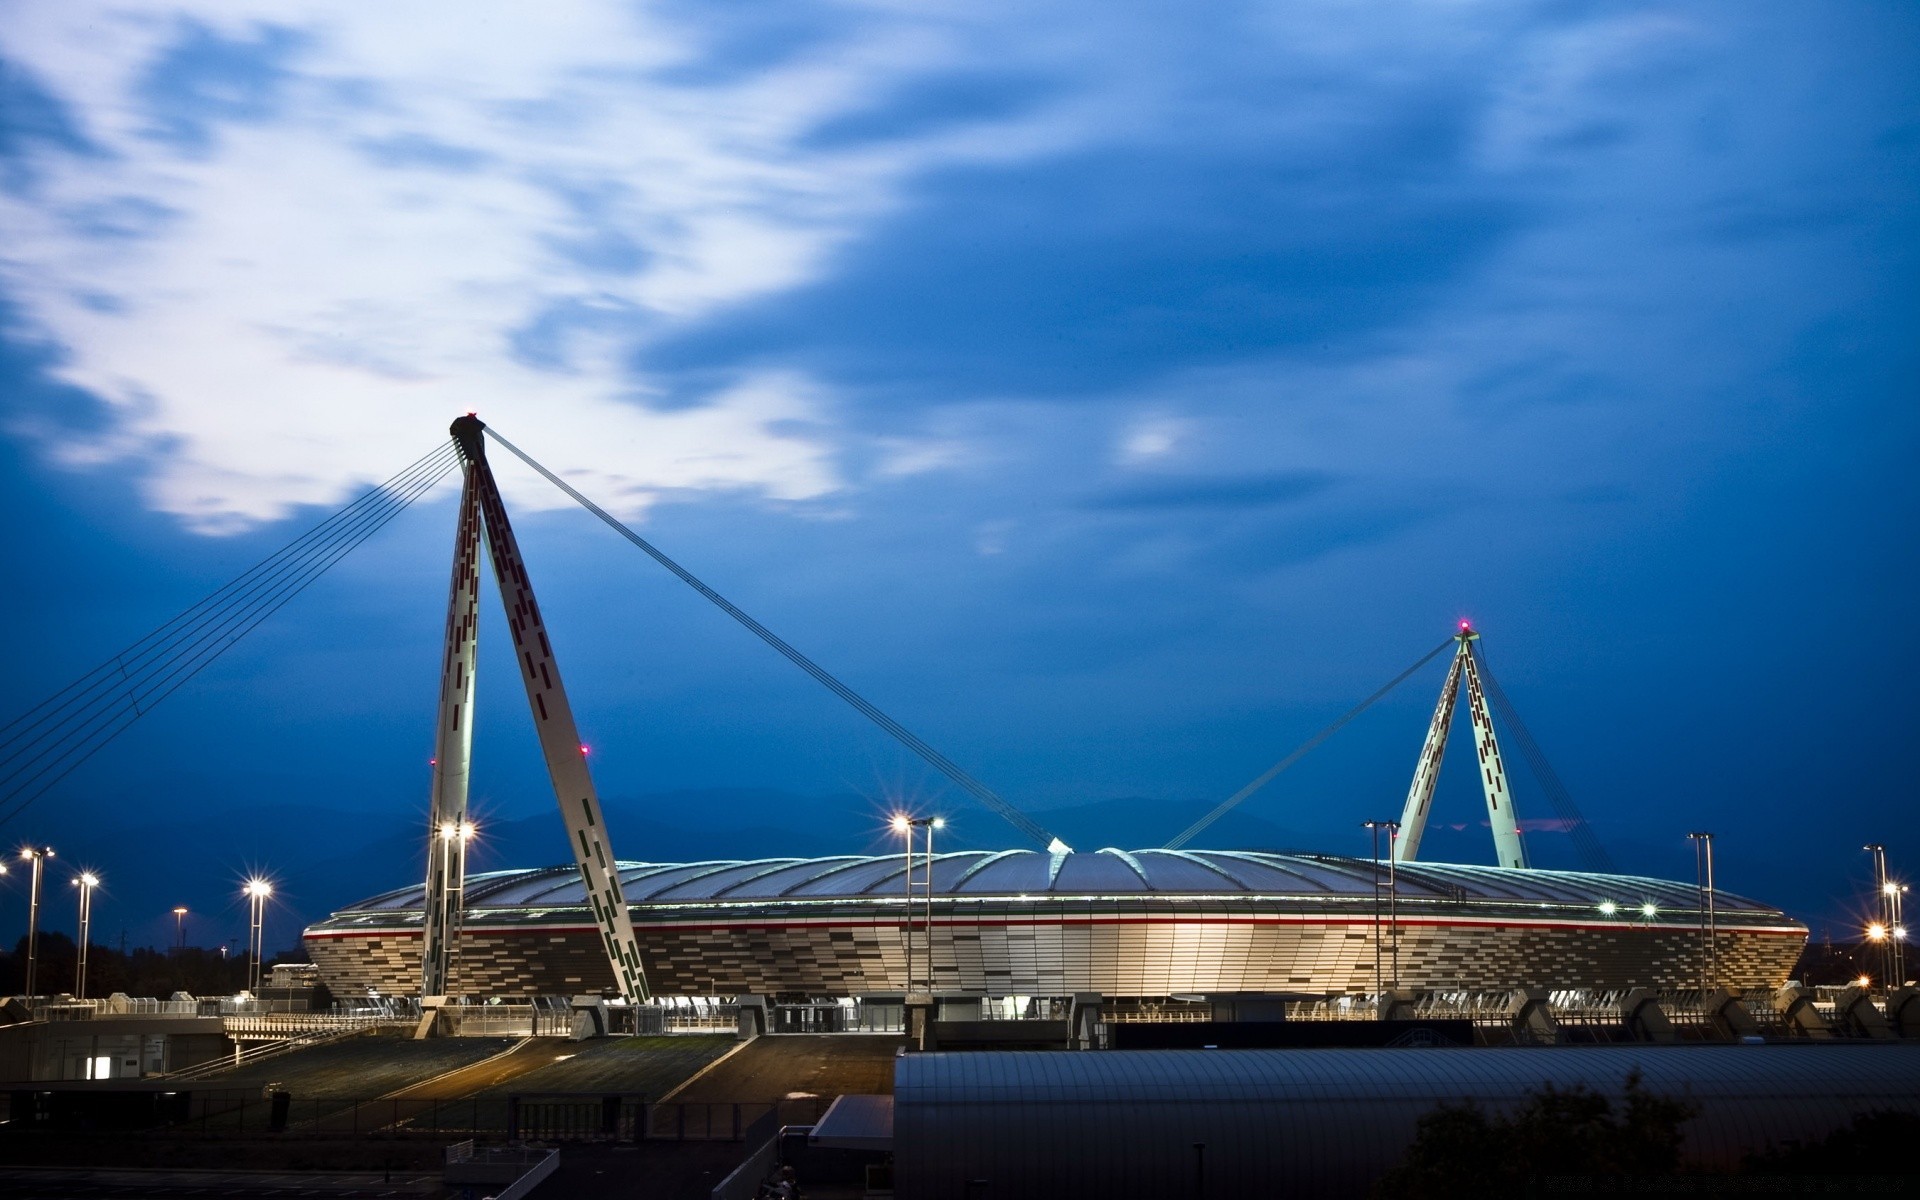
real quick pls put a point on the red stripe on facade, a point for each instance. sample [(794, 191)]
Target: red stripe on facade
[(977, 922)]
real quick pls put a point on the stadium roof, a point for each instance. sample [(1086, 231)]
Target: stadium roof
[(1033, 874)]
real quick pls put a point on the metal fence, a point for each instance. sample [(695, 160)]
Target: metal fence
[(544, 1017), (675, 1015), (68, 1008), (544, 1117)]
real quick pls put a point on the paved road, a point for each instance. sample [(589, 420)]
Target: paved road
[(771, 1069), (71, 1183), (527, 1056)]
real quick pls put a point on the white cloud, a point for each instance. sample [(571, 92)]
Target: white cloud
[(1150, 439), (296, 318)]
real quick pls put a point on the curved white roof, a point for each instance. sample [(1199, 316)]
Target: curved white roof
[(1109, 874)]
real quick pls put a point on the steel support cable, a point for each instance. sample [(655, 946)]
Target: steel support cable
[(1593, 855), (156, 675), (87, 736), (115, 671), (116, 668), (940, 762), (1300, 752), (130, 671)]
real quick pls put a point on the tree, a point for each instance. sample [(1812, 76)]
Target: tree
[(1875, 1143), (1459, 1152)]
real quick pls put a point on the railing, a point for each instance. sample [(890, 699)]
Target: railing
[(281, 1026), (541, 1118), (1333, 1008), (265, 1050), (234, 1112), (727, 1122), (694, 1017), (1183, 1014), (396, 1008), (68, 1008)]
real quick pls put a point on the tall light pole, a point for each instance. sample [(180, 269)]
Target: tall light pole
[(1881, 930), (447, 902), (1374, 828), (38, 856), (86, 881), (1703, 884), (180, 929), (257, 891), (1393, 902), (905, 825), (1898, 931)]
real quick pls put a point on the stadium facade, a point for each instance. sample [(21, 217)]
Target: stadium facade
[(1146, 924)]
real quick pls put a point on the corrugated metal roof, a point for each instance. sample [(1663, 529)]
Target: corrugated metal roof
[(1106, 873), (1327, 1122)]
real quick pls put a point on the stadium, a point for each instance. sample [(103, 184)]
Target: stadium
[(1011, 927), (1143, 925)]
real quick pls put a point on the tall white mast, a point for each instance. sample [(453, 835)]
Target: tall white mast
[(1501, 816), (447, 824), (1493, 773), (1426, 772), (553, 719)]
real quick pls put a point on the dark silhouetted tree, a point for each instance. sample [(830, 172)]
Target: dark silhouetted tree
[(1874, 1143), (1461, 1153)]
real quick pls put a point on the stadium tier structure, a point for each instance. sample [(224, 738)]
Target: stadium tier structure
[(1146, 924)]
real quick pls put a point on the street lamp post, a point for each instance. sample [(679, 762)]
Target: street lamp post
[(905, 825), (1703, 883), (1393, 901), (37, 855), (180, 929), (257, 891), (1898, 932), (1882, 930), (86, 881)]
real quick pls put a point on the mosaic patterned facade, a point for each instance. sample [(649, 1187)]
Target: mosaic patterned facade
[(1453, 927)]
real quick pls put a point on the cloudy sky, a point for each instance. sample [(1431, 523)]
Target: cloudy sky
[(1114, 395)]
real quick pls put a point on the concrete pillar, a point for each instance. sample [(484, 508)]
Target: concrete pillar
[(1797, 1011), (752, 1019), (1854, 1012), (429, 1016), (921, 1010), (1729, 1018), (1398, 1005), (1903, 1012), (1086, 1015), (589, 1018), (1645, 1020), (1531, 1015)]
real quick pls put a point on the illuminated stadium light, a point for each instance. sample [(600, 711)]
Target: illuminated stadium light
[(1608, 908)]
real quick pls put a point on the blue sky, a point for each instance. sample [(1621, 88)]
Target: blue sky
[(1115, 397)]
